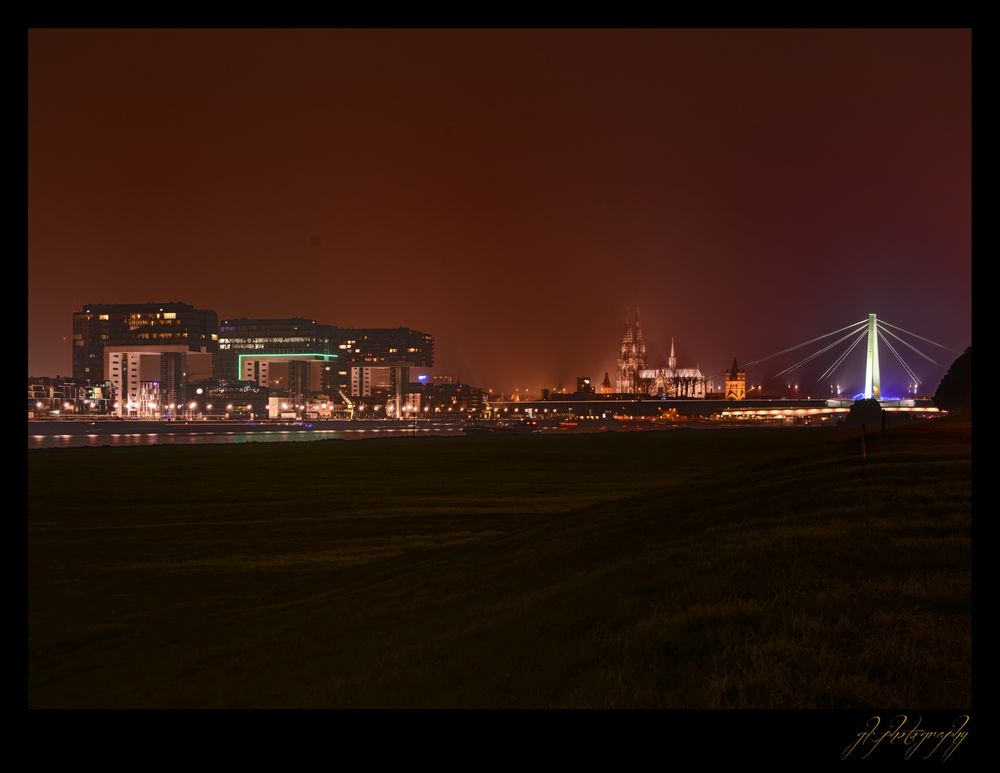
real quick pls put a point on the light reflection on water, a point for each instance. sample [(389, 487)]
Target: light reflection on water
[(171, 438)]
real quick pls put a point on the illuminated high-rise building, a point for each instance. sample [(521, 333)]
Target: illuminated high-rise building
[(123, 343), (318, 357), (145, 327), (268, 338)]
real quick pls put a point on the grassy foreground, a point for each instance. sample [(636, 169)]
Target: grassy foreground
[(722, 568)]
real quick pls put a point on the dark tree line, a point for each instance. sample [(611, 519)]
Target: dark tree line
[(954, 393)]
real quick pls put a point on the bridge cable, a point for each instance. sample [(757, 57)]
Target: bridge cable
[(805, 343), (883, 322), (856, 326), (907, 368), (915, 349), (812, 356), (828, 373)]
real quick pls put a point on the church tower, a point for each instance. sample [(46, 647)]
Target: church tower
[(631, 357), (623, 383), (736, 383), (639, 355)]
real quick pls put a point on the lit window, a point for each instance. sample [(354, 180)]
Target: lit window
[(169, 315), (102, 316)]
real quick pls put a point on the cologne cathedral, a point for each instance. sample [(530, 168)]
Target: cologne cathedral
[(631, 358), (635, 377)]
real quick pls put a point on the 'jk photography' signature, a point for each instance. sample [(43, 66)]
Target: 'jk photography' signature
[(905, 732)]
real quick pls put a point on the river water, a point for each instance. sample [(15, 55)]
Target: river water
[(93, 440)]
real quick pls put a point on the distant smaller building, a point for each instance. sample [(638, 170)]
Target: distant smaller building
[(366, 380), (57, 396), (413, 403), (606, 388), (224, 397), (149, 402), (459, 397), (584, 389), (316, 407), (736, 383)]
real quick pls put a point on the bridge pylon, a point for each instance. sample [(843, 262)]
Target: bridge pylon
[(873, 388)]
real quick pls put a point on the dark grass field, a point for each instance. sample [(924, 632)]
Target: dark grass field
[(722, 568)]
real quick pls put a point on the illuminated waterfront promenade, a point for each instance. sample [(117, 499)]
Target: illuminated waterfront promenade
[(654, 408)]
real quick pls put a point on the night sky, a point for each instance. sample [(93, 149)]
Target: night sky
[(509, 192)]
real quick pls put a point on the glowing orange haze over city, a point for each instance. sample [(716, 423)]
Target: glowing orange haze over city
[(509, 192)]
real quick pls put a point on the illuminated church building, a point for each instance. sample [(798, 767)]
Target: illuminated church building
[(634, 377), (736, 383), (631, 357)]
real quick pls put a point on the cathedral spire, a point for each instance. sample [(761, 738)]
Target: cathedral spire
[(631, 357), (672, 359)]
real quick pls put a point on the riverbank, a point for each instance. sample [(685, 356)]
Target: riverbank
[(745, 567)]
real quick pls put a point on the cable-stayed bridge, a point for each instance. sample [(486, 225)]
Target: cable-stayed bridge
[(873, 333), (871, 330)]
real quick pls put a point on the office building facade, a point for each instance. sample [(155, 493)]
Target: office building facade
[(352, 359), (145, 327)]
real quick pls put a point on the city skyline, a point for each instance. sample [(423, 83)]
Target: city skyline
[(509, 192), (505, 368)]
